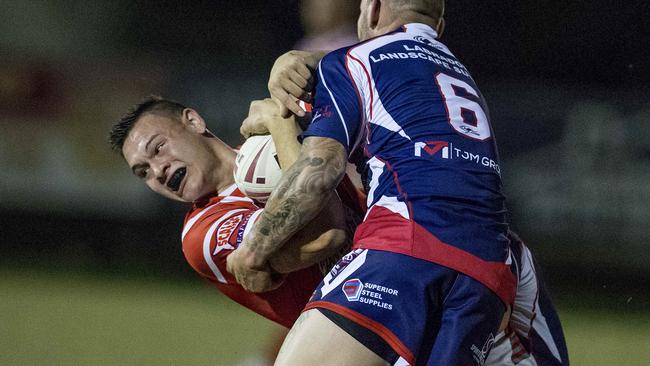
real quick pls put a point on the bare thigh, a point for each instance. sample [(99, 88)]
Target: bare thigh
[(316, 340)]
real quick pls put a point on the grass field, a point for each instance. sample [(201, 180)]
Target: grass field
[(63, 319)]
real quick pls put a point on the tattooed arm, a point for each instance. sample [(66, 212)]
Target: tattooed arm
[(299, 197), (323, 236)]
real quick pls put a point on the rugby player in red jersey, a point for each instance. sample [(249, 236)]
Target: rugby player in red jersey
[(168, 146)]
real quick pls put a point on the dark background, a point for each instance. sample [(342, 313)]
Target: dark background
[(567, 84)]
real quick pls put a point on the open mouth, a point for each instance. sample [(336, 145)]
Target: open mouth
[(174, 183)]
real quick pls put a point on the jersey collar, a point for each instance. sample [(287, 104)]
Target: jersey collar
[(421, 28)]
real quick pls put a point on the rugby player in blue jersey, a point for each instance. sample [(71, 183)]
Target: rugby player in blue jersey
[(430, 278)]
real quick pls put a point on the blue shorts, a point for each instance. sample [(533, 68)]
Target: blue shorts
[(410, 311)]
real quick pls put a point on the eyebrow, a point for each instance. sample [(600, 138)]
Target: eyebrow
[(146, 147), (136, 167)]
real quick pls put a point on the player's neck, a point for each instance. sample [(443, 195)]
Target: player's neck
[(412, 17), (225, 158)]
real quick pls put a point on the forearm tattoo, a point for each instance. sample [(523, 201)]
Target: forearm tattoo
[(300, 194)]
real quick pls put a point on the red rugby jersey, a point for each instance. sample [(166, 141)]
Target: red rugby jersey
[(213, 228)]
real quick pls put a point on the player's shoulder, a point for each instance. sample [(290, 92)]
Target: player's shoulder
[(362, 49), (214, 209), (213, 228), (334, 57), (335, 61)]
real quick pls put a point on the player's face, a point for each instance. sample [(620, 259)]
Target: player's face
[(171, 155)]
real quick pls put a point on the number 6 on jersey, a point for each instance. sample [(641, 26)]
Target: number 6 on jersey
[(464, 110)]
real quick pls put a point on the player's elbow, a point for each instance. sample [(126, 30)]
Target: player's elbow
[(328, 243), (323, 165), (291, 259)]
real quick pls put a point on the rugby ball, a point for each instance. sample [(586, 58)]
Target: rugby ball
[(257, 168)]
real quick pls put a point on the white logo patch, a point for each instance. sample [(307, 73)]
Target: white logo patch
[(481, 354)]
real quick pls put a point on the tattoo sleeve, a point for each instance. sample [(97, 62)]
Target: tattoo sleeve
[(299, 196)]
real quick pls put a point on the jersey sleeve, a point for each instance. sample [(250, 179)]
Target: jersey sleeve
[(337, 111), (214, 235)]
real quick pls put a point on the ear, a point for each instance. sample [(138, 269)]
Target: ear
[(193, 120), (373, 13), (441, 27)]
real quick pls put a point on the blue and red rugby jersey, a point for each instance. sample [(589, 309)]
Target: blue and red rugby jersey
[(434, 178)]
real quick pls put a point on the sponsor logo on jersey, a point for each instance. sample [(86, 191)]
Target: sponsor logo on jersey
[(424, 40), (322, 111), (446, 150), (469, 131), (422, 53), (242, 228), (481, 354), (432, 147), (226, 229), (369, 293), (428, 42), (352, 289)]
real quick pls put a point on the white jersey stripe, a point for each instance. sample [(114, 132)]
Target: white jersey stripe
[(206, 245), (539, 322), (227, 198), (393, 204), (377, 169), (251, 221), (541, 327), (230, 199), (353, 69), (194, 219), (345, 127), (228, 191), (401, 362), (376, 109)]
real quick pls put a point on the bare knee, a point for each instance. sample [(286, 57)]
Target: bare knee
[(316, 340)]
